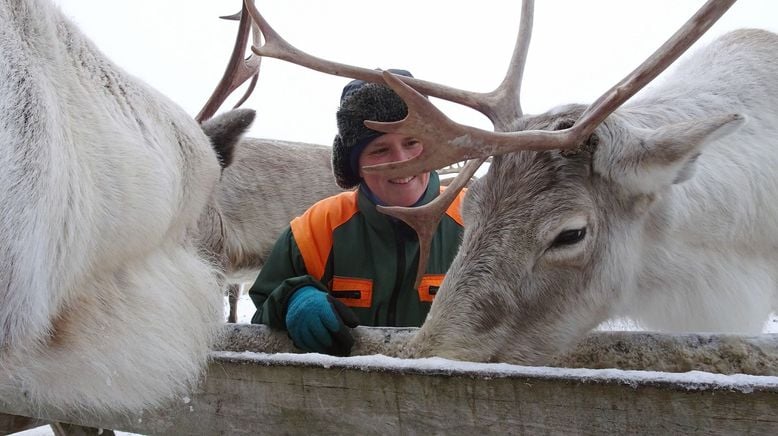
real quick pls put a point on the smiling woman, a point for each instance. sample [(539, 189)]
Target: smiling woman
[(398, 191)]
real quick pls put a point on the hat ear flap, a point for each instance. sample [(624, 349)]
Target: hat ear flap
[(341, 166)]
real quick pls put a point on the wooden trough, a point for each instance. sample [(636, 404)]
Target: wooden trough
[(257, 384)]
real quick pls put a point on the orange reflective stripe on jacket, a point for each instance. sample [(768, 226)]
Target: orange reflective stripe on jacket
[(455, 209), (353, 292), (313, 230), (429, 285)]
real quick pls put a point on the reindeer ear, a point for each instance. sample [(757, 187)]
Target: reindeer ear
[(225, 131), (645, 161)]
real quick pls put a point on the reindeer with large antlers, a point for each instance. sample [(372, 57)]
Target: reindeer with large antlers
[(661, 209)]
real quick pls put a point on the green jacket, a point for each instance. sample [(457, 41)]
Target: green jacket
[(364, 258)]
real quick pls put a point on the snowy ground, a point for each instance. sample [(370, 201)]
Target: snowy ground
[(246, 308)]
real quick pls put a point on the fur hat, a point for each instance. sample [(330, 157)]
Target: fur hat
[(362, 101)]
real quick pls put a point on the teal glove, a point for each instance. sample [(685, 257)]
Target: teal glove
[(319, 323)]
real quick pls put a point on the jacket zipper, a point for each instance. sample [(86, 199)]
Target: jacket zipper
[(391, 319)]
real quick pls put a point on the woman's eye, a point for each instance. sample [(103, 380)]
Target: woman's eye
[(569, 237)]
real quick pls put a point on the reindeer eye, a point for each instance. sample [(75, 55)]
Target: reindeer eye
[(569, 237)]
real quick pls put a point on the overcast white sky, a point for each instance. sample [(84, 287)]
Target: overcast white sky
[(579, 48)]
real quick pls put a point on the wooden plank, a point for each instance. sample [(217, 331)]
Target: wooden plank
[(10, 424), (275, 394), (256, 384)]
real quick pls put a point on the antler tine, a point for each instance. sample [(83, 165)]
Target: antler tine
[(505, 100), (424, 219), (662, 58), (238, 69)]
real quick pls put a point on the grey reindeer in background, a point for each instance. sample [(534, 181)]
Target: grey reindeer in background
[(256, 197), (661, 210)]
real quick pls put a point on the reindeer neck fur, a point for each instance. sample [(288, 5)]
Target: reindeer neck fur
[(736, 73), (105, 180), (711, 238)]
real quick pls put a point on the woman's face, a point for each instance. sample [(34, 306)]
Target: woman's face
[(393, 147)]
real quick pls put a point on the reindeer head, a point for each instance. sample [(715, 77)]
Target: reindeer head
[(552, 239)]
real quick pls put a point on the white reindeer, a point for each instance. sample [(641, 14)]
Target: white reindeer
[(109, 296), (662, 211)]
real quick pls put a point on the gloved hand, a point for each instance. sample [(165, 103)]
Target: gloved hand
[(319, 323)]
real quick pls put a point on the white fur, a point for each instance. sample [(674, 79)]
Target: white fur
[(105, 299), (712, 264)]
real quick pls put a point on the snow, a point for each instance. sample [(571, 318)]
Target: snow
[(692, 380), (246, 308)]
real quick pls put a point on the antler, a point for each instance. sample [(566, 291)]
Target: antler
[(447, 142), (238, 69)]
